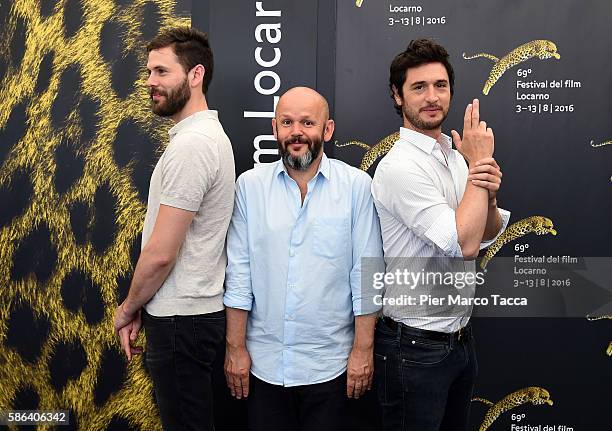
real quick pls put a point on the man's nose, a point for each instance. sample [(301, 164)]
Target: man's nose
[(151, 81), (296, 129), (431, 95)]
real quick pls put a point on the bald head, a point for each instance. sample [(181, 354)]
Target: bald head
[(301, 125), (305, 99)]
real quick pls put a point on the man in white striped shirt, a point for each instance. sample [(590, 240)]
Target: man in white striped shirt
[(436, 213)]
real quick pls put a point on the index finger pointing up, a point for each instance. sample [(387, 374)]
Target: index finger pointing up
[(467, 118)]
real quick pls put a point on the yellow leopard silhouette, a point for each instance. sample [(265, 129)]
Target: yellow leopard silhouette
[(373, 153), (609, 316), (542, 49), (534, 224), (533, 394)]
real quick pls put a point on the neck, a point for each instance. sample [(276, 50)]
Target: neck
[(433, 133), (302, 177), (196, 103)]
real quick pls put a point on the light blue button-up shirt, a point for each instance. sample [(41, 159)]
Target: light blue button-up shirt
[(297, 268)]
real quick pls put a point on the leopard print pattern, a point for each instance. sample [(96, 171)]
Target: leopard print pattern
[(542, 49), (533, 394), (373, 153), (535, 224)]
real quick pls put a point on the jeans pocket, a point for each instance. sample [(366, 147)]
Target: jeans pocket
[(419, 352), (209, 334), (380, 377), (160, 339)]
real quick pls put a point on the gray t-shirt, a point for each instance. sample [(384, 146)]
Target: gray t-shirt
[(195, 173)]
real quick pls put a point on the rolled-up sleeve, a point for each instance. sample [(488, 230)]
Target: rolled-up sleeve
[(238, 286), (505, 217), (367, 248)]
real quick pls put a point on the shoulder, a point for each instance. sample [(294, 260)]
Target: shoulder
[(258, 175), (194, 140), (398, 163), (347, 172)]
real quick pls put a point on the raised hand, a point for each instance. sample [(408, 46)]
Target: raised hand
[(477, 142)]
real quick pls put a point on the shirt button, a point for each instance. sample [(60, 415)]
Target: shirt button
[(291, 253)]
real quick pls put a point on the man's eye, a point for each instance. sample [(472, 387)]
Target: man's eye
[(308, 123), (442, 84), (418, 87), (286, 122)]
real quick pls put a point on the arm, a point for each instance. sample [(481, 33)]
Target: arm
[(158, 256), (487, 175), (360, 367), (494, 221), (471, 215), (237, 359), (155, 262), (367, 258), (238, 298)]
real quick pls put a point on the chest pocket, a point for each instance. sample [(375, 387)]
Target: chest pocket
[(331, 237)]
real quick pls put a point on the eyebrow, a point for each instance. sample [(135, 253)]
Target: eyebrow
[(425, 82)]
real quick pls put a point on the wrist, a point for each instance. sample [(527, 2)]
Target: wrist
[(127, 309), (232, 344), (363, 346)]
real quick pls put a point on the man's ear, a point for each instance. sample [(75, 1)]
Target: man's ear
[(396, 96), (329, 130), (274, 128), (196, 75)]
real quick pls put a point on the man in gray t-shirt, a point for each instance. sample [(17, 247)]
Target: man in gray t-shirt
[(179, 276)]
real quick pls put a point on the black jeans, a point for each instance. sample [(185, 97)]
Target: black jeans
[(318, 407), (179, 355), (424, 383)]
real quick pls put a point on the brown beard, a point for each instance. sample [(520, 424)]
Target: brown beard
[(175, 100)]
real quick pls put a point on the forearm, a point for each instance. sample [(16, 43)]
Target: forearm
[(236, 321), (151, 271), (494, 221), (364, 331), (471, 219)]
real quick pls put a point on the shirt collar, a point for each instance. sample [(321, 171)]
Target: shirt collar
[(324, 167), (424, 142), (193, 118)]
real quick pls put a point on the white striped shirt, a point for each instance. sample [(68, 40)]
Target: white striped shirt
[(417, 188)]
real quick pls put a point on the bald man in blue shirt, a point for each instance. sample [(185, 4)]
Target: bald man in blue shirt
[(300, 322)]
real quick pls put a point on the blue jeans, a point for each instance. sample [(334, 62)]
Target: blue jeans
[(179, 356), (424, 379)]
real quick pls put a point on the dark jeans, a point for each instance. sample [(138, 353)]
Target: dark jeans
[(424, 383), (319, 407), (179, 355)]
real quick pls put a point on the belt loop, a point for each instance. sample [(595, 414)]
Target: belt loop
[(399, 332)]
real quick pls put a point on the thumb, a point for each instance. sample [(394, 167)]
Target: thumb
[(456, 139), (134, 331)]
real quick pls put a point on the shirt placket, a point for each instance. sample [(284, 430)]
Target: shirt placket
[(292, 370)]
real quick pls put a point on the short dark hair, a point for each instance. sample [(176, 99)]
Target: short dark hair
[(190, 46), (418, 52)]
